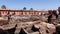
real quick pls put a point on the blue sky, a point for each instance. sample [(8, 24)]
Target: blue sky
[(35, 4)]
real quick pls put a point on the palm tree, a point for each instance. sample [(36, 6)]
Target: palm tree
[(24, 8), (3, 7)]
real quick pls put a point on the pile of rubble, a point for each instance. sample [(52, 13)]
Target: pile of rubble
[(3, 21), (31, 28), (29, 25)]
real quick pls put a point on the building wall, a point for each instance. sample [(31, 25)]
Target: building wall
[(4, 13), (11, 12), (19, 12)]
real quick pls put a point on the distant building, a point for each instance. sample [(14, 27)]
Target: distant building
[(4, 12)]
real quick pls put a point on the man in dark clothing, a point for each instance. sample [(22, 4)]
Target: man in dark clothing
[(50, 15)]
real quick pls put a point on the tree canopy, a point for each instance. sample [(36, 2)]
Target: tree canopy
[(3, 7), (31, 8), (24, 8)]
